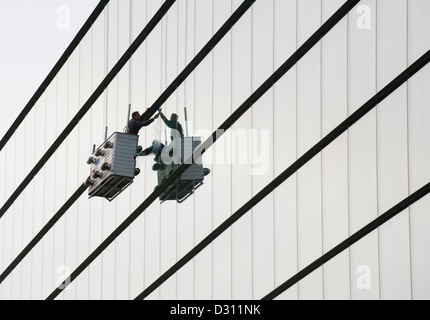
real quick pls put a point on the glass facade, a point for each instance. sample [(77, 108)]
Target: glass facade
[(375, 164)]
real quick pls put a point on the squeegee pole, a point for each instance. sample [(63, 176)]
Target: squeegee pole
[(186, 121), (128, 118)]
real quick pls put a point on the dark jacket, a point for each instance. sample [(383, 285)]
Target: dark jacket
[(135, 125), (174, 125)]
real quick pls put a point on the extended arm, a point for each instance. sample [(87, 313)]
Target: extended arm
[(170, 124), (135, 125)]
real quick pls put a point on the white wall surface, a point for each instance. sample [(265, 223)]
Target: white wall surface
[(366, 171)]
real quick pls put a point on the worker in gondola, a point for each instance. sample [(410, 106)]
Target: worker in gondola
[(137, 121), (176, 132), (173, 124)]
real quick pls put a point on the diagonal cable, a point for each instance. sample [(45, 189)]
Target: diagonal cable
[(240, 11), (361, 112), (43, 231), (218, 36), (91, 100), (315, 38), (63, 59), (405, 203), (192, 65)]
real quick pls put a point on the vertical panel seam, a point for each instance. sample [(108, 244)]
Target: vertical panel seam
[(231, 151), (377, 150), (212, 180), (177, 102), (145, 222), (130, 71), (408, 150), (297, 142), (322, 153), (106, 103), (194, 201), (273, 143), (91, 138), (163, 29), (250, 146), (79, 134), (348, 156)]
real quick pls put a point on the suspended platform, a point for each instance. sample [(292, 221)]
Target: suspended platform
[(185, 185), (113, 166)]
